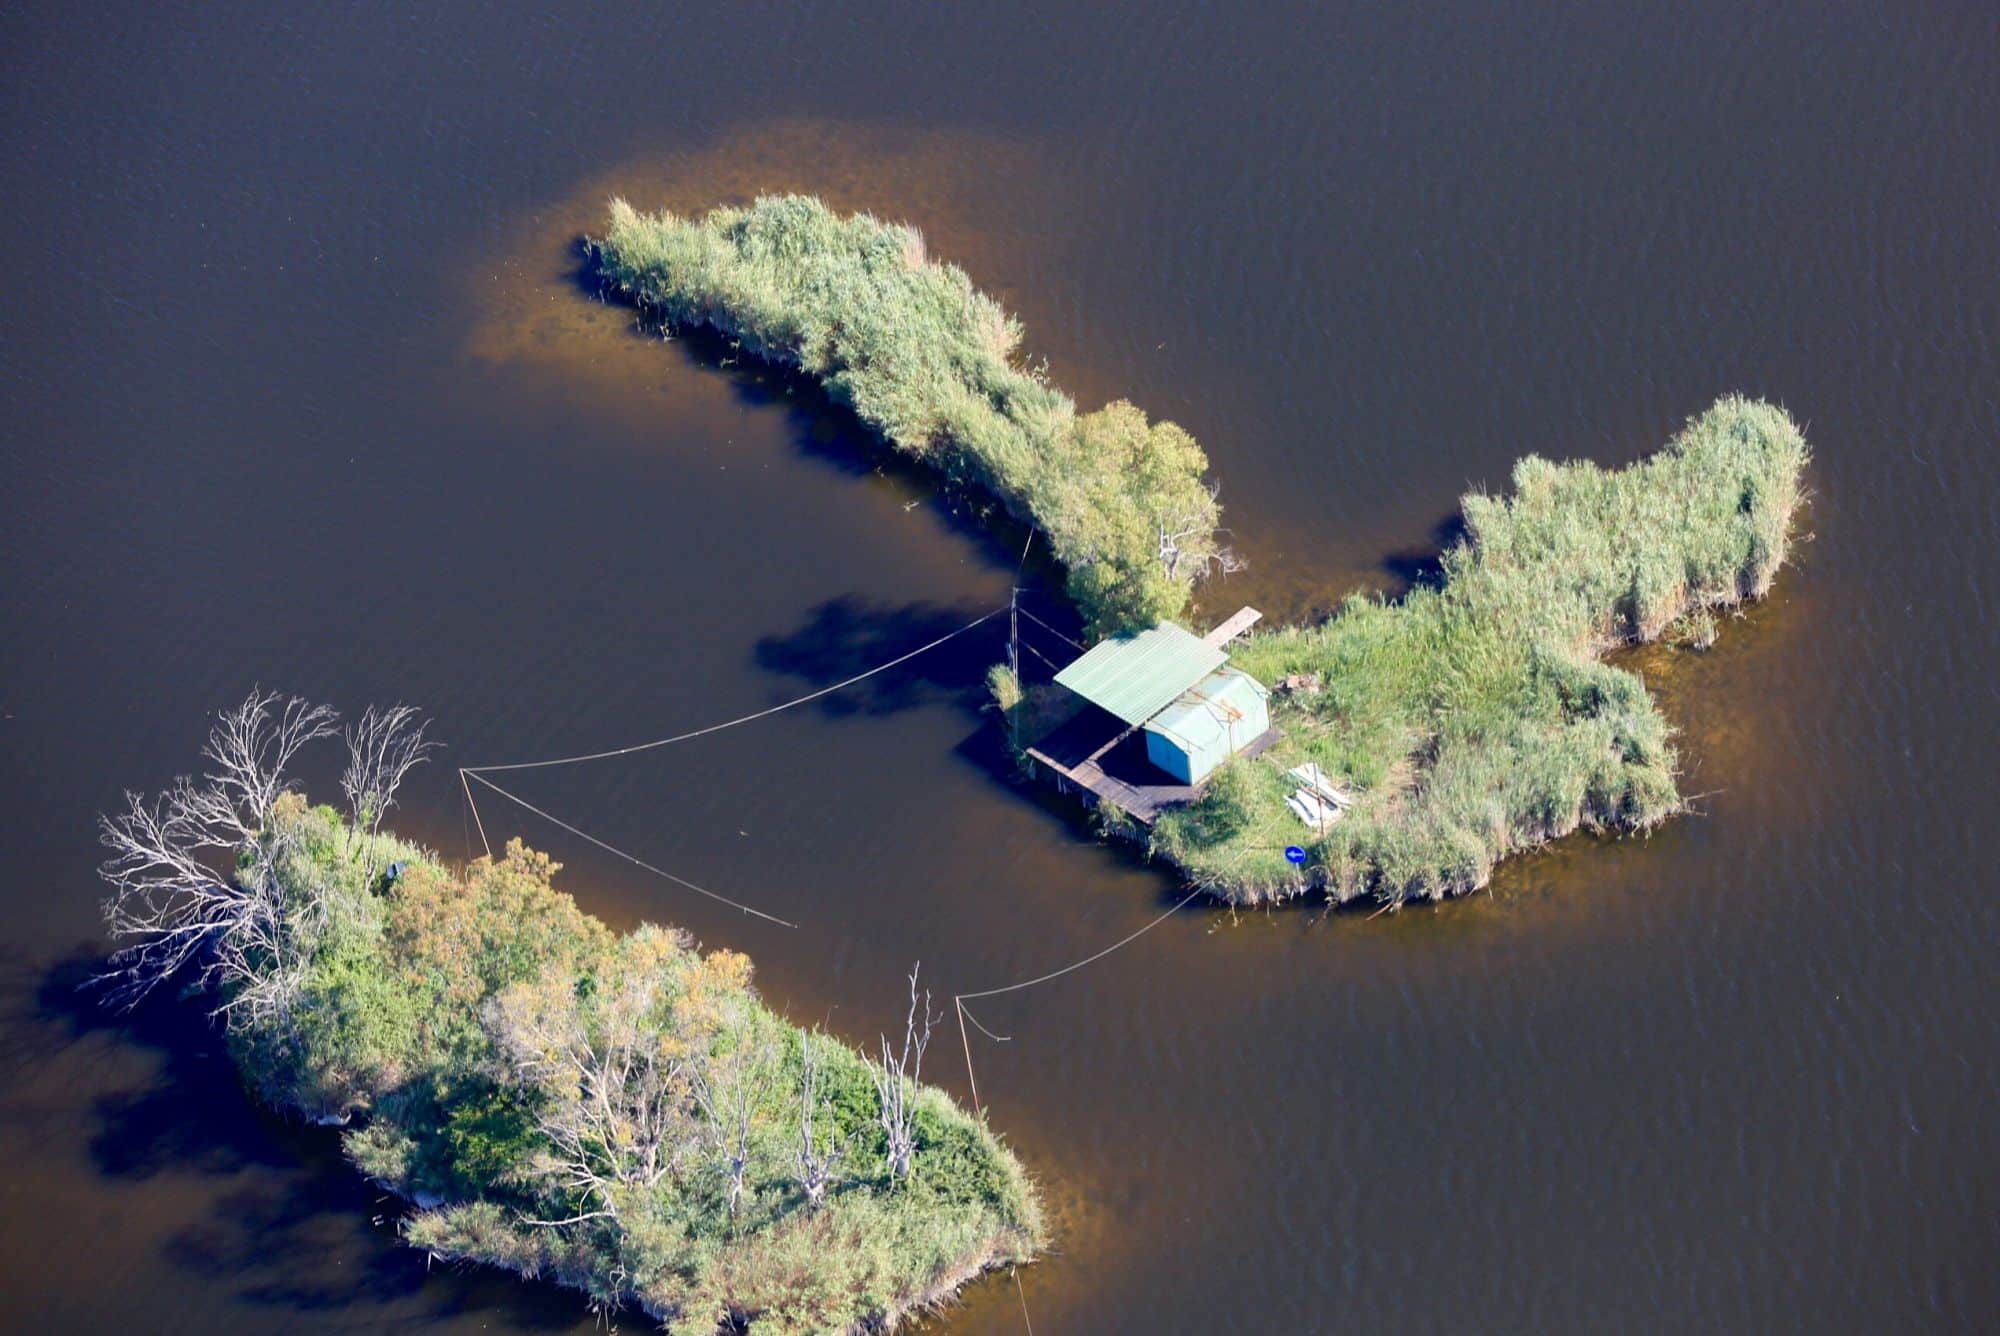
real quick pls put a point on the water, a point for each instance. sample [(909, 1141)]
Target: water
[(298, 391)]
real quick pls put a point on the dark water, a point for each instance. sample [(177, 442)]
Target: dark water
[(297, 391)]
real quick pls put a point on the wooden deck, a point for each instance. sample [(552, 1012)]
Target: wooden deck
[(1106, 758), (1239, 622)]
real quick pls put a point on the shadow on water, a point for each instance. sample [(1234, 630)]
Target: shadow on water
[(290, 1225), (850, 635), (826, 430), (1422, 566)]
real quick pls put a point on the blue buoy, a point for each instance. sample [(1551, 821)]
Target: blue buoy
[(1294, 854)]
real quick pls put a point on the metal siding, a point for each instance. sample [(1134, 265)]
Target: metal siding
[(1207, 724), (1135, 677), (1166, 753)]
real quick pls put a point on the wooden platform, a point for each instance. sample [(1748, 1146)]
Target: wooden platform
[(1239, 621), (1106, 758)]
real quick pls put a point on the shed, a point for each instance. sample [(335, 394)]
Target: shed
[(1177, 688), (1207, 724)]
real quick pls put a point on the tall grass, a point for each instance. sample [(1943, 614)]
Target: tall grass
[(1474, 719), (930, 362)]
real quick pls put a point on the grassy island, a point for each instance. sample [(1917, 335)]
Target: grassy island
[(1474, 718), (619, 1114), (928, 361)]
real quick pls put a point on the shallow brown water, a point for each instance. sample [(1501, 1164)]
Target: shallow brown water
[(298, 390)]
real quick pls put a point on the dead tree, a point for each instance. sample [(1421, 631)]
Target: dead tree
[(383, 746), (896, 1081), (253, 744), (818, 1157), (728, 1093), (169, 905), (1187, 543)]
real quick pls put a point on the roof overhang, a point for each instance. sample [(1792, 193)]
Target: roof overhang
[(1135, 677)]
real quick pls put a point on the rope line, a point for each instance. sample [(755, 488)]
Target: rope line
[(476, 770), (959, 999), (1050, 629), (1126, 940), (996, 1038), (613, 849), (483, 841)]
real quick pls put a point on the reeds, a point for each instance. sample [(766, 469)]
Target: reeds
[(928, 361), (1475, 718)]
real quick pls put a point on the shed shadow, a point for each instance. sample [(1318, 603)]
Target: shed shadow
[(847, 636)]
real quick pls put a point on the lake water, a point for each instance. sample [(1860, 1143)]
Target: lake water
[(299, 389)]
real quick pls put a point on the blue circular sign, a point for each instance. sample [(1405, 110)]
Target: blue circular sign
[(1294, 854)]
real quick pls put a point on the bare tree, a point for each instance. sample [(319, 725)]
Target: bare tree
[(170, 905), (818, 1157), (1187, 542), (728, 1092), (896, 1081), (383, 746), (253, 744)]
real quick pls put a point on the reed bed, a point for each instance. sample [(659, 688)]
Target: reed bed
[(931, 363), (1475, 718)]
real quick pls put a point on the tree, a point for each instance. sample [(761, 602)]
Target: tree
[(613, 1061), (170, 906), (896, 1081), (818, 1157), (729, 1091), (383, 746)]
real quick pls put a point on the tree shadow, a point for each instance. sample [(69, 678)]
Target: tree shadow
[(850, 635), (291, 1225)]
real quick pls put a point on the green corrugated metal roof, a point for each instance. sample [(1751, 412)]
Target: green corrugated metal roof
[(1134, 677)]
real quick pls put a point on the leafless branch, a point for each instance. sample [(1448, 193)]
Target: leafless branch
[(383, 746), (170, 906), (728, 1093), (616, 1106), (251, 746), (818, 1157), (1187, 543), (896, 1080)]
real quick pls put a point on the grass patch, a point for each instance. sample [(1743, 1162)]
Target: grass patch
[(1475, 718), (929, 362)]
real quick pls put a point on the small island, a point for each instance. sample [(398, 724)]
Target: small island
[(618, 1114), (1410, 744)]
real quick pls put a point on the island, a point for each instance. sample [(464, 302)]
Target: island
[(1398, 749), (618, 1114)]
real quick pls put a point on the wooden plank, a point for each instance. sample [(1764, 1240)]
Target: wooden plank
[(1141, 802), (1239, 622)]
